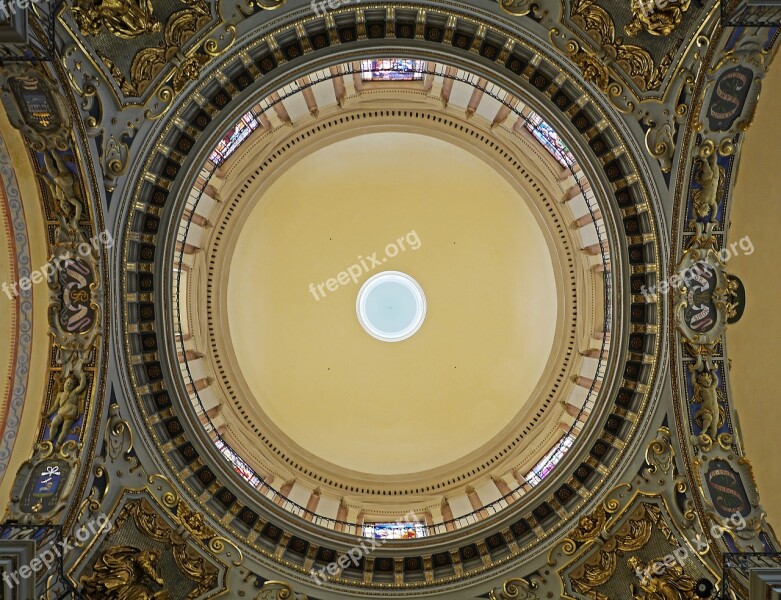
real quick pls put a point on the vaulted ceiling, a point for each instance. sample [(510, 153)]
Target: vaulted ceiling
[(191, 192)]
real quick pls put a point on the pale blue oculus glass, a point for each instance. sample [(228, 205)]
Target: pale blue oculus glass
[(391, 306)]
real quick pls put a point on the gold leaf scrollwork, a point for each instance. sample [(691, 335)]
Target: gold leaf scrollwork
[(660, 144), (656, 18), (278, 590), (213, 47), (125, 573), (660, 454), (636, 62), (514, 589), (126, 19), (519, 8)]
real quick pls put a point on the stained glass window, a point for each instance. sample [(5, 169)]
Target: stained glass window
[(550, 139), (394, 531), (392, 69), (227, 146), (239, 465), (549, 461)]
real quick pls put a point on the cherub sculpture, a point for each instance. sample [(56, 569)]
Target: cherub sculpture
[(67, 406), (706, 393), (62, 184), (710, 176)]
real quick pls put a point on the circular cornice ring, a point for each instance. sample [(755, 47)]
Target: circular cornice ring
[(617, 172), (341, 127)]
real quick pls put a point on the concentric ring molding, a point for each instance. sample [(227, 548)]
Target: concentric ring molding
[(246, 185), (144, 248)]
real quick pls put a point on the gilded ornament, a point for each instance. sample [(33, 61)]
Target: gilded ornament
[(660, 454), (634, 60), (67, 406), (706, 393), (519, 8), (589, 526), (125, 573), (657, 17), (710, 176), (706, 296), (278, 590), (672, 583), (514, 589), (125, 19), (593, 70)]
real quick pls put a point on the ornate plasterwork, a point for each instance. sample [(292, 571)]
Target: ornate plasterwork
[(723, 490), (721, 471), (638, 525), (636, 62), (38, 109), (130, 554), (19, 243), (196, 472)]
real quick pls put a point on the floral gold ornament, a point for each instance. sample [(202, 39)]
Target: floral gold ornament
[(126, 19), (514, 589), (126, 573), (659, 17), (149, 62), (672, 583), (636, 62)]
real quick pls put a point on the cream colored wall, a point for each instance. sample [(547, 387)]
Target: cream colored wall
[(754, 344)]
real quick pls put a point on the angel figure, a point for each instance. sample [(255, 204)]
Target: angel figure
[(67, 406), (710, 176), (671, 584), (62, 185), (706, 393), (125, 573)]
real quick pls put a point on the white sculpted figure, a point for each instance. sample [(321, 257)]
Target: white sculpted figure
[(67, 406)]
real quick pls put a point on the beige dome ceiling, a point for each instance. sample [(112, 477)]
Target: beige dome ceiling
[(472, 244), (311, 409)]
